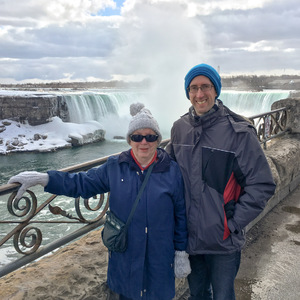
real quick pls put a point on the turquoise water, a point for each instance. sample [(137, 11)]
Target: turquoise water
[(41, 162)]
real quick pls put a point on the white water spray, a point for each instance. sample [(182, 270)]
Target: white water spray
[(111, 110)]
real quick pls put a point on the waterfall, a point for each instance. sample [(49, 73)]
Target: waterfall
[(110, 108), (95, 106), (252, 103)]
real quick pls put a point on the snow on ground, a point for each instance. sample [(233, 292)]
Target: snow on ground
[(43, 138)]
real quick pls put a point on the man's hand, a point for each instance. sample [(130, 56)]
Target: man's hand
[(229, 209)]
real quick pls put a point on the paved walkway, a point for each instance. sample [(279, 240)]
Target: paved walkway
[(270, 267)]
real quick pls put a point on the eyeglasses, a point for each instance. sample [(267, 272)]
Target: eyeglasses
[(149, 138), (193, 89)]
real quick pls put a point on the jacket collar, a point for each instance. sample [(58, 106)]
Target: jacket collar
[(162, 164), (208, 118)]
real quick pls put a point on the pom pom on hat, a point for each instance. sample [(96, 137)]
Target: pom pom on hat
[(136, 108), (142, 118), (205, 70)]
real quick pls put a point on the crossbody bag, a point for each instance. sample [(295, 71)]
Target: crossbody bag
[(114, 233)]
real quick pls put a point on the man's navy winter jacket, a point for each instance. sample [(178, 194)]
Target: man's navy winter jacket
[(221, 160)]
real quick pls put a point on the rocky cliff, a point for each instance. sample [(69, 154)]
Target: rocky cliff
[(35, 110)]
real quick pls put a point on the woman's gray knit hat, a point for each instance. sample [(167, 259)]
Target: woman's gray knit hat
[(142, 118)]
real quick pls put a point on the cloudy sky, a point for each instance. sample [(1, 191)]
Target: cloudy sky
[(88, 40)]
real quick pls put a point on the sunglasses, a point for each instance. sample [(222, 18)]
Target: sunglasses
[(149, 138)]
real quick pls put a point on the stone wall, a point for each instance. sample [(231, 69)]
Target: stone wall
[(283, 155), (35, 110), (78, 271), (293, 106)]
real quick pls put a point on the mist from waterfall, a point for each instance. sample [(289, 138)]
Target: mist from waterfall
[(111, 108)]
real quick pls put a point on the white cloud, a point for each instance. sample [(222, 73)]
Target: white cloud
[(261, 46), (73, 40), (289, 50), (44, 12), (209, 7)]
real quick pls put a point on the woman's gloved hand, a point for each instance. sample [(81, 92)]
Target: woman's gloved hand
[(28, 179), (182, 267)]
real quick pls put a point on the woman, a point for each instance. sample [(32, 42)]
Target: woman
[(158, 230)]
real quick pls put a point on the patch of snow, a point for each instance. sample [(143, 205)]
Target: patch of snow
[(18, 137)]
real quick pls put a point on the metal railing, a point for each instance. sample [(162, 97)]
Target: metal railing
[(270, 125), (27, 235)]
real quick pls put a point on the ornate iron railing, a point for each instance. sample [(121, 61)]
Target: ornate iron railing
[(270, 125), (27, 235)]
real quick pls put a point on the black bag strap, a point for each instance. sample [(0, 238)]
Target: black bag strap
[(139, 195)]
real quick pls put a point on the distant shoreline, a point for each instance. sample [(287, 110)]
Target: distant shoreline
[(239, 82)]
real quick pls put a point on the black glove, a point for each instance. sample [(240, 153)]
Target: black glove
[(229, 209)]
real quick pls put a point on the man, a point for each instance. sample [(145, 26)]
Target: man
[(227, 183)]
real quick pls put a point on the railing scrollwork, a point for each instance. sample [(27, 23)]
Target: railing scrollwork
[(27, 239), (15, 209), (22, 236), (88, 207)]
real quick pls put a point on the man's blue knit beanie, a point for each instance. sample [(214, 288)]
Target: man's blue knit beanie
[(205, 70)]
